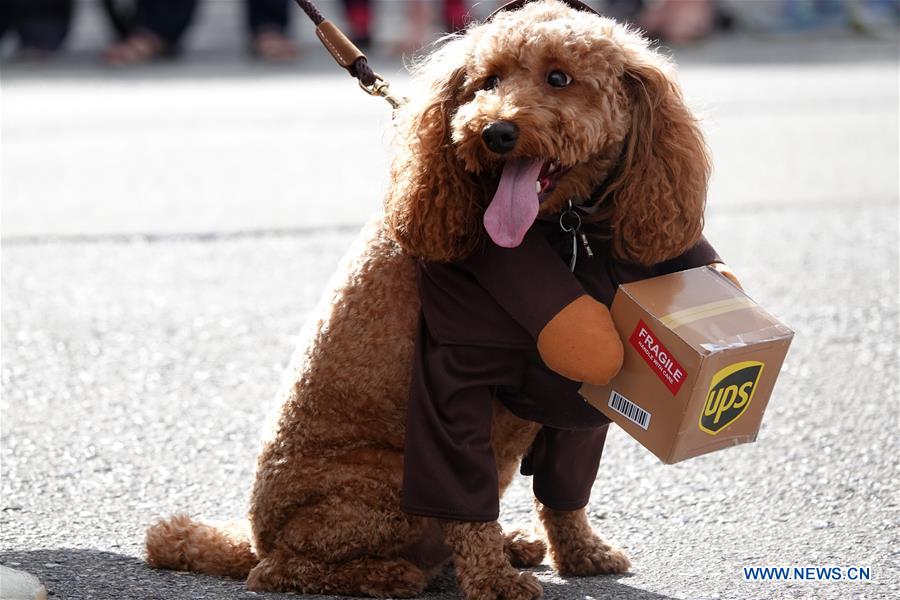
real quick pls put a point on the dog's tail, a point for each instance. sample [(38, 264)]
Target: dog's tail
[(182, 544)]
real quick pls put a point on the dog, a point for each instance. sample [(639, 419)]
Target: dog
[(591, 96)]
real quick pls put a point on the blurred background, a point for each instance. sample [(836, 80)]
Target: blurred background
[(44, 28), (209, 116), (179, 180)]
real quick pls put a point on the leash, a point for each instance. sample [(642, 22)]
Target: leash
[(351, 58), (348, 56)]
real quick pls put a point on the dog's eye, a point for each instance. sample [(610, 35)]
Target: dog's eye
[(558, 79), (491, 82)]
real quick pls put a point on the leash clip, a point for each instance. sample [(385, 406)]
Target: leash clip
[(383, 89)]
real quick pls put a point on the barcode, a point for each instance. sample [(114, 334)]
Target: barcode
[(629, 410)]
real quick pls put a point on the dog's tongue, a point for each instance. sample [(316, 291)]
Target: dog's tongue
[(515, 203)]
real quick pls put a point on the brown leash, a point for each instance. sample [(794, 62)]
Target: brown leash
[(347, 55)]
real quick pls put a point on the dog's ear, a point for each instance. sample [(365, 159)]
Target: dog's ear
[(659, 187), (432, 206)]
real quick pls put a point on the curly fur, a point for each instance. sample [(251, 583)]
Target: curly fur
[(325, 512), (182, 544), (574, 547), (622, 125), (482, 567), (522, 551)]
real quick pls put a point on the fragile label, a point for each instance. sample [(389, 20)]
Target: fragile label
[(658, 357)]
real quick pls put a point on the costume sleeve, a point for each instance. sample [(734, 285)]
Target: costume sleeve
[(700, 255), (531, 282), (449, 471), (564, 463)]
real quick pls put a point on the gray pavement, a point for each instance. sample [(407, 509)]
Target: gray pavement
[(167, 230)]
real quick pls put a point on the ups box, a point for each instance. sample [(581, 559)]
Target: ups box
[(701, 360)]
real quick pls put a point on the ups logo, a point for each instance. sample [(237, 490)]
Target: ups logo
[(729, 395)]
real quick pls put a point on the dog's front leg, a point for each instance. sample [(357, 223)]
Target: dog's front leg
[(575, 548), (482, 567)]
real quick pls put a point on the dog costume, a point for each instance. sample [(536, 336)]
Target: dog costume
[(477, 340)]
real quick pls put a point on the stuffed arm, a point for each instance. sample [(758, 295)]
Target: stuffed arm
[(574, 333), (580, 342)]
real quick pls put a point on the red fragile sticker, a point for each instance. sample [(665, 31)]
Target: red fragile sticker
[(658, 357)]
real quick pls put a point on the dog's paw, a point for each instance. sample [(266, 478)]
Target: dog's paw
[(590, 557), (522, 551), (267, 577), (393, 579), (508, 584)]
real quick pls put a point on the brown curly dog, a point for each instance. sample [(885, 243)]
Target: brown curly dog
[(597, 104)]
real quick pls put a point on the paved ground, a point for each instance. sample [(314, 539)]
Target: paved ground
[(166, 231)]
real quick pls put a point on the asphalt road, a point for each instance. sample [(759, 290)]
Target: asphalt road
[(167, 230)]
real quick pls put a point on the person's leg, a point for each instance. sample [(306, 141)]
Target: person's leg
[(159, 32), (267, 21), (455, 13), (7, 17), (42, 25), (167, 19), (624, 10), (267, 15), (359, 18), (418, 21), (678, 21)]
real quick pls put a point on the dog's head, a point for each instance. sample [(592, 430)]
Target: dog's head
[(535, 107)]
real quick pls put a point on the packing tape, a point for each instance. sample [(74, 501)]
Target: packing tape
[(689, 315)]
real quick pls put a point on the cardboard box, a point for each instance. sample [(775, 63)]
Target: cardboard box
[(701, 360)]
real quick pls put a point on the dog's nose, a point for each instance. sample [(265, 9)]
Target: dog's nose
[(500, 136)]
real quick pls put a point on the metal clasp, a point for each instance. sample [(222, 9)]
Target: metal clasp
[(382, 88), (574, 228)]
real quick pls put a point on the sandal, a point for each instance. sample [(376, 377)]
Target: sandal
[(137, 48)]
